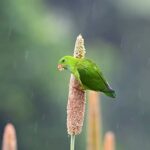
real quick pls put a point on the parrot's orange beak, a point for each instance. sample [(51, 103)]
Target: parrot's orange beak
[(60, 67)]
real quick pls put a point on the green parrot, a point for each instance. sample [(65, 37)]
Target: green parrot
[(87, 73)]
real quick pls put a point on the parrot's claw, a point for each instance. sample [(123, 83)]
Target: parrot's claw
[(79, 88)]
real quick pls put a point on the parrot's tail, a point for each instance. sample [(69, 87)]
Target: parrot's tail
[(111, 94)]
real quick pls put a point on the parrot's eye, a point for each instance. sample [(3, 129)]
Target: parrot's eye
[(63, 60)]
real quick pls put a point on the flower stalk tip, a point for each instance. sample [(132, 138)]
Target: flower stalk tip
[(79, 50), (109, 141), (9, 138)]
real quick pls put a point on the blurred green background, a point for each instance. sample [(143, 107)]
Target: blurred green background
[(34, 34)]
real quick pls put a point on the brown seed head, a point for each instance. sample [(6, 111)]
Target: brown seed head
[(9, 138), (76, 97), (109, 141)]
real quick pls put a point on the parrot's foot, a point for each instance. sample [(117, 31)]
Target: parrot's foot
[(79, 88)]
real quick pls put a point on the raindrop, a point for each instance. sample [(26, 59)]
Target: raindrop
[(32, 94), (43, 117), (139, 93), (35, 127), (139, 46), (142, 111), (117, 126), (132, 119), (124, 43), (26, 55), (148, 62), (9, 33), (14, 64)]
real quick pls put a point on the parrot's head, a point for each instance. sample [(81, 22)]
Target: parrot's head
[(65, 63)]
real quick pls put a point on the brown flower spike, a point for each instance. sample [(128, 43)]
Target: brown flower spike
[(94, 121), (9, 138), (109, 141), (76, 97)]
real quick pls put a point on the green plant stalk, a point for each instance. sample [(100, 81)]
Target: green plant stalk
[(72, 142)]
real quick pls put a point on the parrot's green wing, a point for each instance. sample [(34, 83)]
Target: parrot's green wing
[(92, 78)]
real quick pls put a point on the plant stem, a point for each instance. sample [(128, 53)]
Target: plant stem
[(72, 142)]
